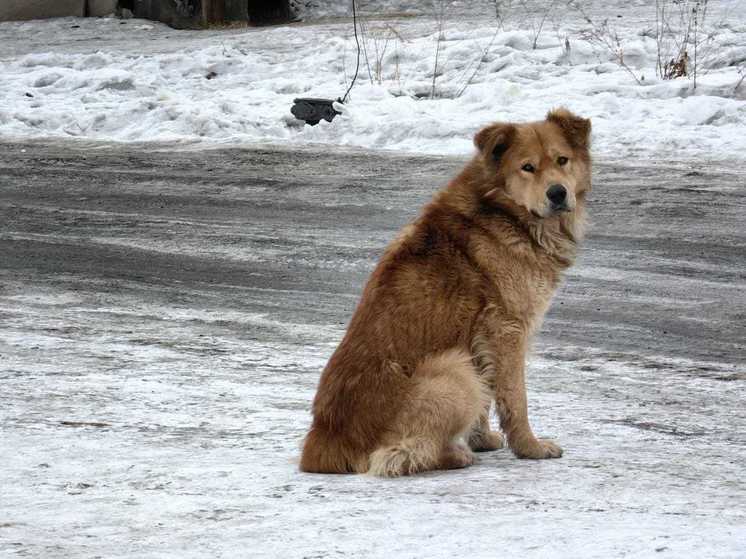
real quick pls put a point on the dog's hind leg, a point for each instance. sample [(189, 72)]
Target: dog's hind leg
[(455, 456), (446, 399), (481, 439)]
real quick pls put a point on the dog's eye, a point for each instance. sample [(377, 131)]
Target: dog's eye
[(562, 160), (528, 168)]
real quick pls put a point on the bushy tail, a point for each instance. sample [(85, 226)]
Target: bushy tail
[(407, 457), (446, 398), (324, 453)]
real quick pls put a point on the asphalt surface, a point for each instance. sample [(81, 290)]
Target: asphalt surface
[(663, 270), (165, 315)]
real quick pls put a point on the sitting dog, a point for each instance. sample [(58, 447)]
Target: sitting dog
[(445, 321)]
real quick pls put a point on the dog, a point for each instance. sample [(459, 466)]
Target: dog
[(445, 321)]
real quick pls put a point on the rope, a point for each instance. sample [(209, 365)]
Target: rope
[(357, 67)]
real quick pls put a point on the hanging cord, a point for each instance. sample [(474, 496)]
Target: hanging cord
[(357, 66)]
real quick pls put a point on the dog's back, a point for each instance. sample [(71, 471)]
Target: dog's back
[(406, 314), (479, 265)]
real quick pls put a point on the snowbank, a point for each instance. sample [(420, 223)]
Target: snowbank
[(139, 81)]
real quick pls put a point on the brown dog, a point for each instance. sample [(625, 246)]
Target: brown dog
[(446, 318)]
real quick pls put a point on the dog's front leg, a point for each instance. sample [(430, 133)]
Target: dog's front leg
[(510, 397)]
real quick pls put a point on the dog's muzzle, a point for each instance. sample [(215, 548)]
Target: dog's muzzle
[(557, 195)]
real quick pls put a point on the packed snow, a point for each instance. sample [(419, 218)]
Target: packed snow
[(163, 329), (134, 80), (162, 419)]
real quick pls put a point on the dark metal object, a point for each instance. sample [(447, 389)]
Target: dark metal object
[(313, 110)]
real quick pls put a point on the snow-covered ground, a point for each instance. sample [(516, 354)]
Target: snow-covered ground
[(133, 80), (164, 318)]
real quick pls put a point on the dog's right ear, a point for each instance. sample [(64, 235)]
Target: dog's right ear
[(494, 140)]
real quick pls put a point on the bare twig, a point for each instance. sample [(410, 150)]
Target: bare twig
[(441, 20), (742, 71), (541, 23), (659, 8), (375, 44), (604, 35), (679, 33), (397, 71), (395, 32), (365, 49), (502, 9), (479, 64)]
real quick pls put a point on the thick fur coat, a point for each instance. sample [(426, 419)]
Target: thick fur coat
[(444, 324)]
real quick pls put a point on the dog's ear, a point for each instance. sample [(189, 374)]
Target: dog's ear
[(577, 130), (494, 140)]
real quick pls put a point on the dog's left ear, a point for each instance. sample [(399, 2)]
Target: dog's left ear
[(577, 130), (494, 140)]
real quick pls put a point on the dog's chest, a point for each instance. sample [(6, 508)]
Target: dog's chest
[(510, 319), (522, 298), (532, 301)]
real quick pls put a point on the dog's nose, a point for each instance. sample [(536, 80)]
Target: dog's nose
[(557, 194)]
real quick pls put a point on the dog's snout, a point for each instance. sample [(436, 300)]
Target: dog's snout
[(557, 194)]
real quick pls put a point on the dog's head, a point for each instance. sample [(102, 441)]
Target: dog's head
[(542, 167)]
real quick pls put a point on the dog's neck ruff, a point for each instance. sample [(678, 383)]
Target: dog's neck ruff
[(556, 236)]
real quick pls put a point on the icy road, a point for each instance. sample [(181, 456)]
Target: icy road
[(164, 317)]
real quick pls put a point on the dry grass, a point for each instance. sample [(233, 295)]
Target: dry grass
[(603, 35)]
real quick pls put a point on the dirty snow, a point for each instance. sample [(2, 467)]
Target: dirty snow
[(165, 421), (142, 435), (132, 80), (165, 315)]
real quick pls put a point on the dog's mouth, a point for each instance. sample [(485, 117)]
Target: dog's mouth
[(559, 208), (554, 209)]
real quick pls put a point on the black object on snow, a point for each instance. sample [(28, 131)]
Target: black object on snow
[(313, 110)]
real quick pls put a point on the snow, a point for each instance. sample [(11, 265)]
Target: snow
[(144, 420), (155, 393), (196, 458), (128, 81)]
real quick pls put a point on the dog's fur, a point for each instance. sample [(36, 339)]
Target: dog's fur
[(446, 318)]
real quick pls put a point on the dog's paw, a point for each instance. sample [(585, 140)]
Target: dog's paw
[(455, 457), (538, 450), (484, 442)]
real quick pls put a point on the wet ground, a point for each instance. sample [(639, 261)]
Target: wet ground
[(165, 314)]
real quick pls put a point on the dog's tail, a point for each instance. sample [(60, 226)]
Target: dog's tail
[(446, 399), (324, 453), (408, 456)]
